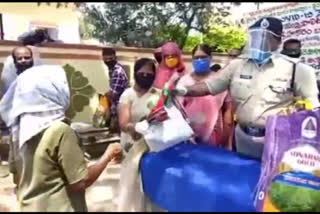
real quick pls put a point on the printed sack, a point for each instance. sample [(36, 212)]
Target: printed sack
[(290, 175)]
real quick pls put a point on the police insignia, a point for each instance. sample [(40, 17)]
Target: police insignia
[(264, 24)]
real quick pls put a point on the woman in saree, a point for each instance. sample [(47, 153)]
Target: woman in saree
[(134, 106), (171, 65), (203, 112)]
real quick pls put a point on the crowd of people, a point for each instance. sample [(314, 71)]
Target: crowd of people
[(226, 106)]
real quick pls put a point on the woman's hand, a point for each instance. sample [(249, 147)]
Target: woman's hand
[(158, 115), (131, 130)]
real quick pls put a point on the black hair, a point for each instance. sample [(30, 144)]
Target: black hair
[(215, 67), (142, 62), (16, 48), (108, 51), (292, 41), (204, 47), (33, 37)]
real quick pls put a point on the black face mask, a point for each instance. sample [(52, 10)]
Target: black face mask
[(297, 55), (145, 81), (291, 53), (158, 57), (110, 63), (21, 67)]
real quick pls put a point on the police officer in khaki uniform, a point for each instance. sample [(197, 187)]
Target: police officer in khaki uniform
[(261, 84)]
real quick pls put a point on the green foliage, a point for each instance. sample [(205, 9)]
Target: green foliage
[(80, 91), (191, 42), (86, 28), (225, 38), (220, 38), (126, 22), (290, 198), (171, 33), (145, 24)]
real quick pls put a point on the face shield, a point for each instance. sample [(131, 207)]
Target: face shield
[(262, 44)]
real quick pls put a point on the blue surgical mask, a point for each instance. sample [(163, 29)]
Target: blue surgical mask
[(201, 65), (260, 57)]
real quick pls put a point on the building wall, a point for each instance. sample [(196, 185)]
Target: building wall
[(20, 17), (87, 60)]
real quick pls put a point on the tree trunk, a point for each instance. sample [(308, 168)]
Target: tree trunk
[(187, 29)]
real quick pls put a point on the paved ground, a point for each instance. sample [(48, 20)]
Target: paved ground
[(100, 196)]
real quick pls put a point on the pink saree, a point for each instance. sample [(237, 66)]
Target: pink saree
[(203, 112)]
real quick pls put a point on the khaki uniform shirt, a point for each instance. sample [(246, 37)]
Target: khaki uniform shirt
[(259, 92), (52, 160)]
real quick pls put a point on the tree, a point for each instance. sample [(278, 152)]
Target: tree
[(225, 38), (126, 22), (130, 22), (196, 16), (85, 28), (192, 41), (175, 33), (220, 37)]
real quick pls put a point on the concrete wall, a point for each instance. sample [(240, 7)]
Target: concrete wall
[(87, 60), (21, 17)]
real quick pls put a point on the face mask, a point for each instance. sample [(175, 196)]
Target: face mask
[(292, 53), (172, 62), (21, 67), (110, 63), (201, 65), (260, 57), (297, 55), (144, 80), (158, 57)]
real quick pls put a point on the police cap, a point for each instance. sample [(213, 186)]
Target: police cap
[(270, 23)]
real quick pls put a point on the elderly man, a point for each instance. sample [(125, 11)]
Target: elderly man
[(261, 85), (118, 82), (22, 60), (10, 68)]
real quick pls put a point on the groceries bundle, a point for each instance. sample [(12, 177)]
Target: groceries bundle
[(290, 175), (167, 123)]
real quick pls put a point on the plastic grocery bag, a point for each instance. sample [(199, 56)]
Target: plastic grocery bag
[(290, 175), (160, 136), (171, 129)]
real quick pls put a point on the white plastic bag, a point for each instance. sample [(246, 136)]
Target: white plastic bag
[(160, 136)]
